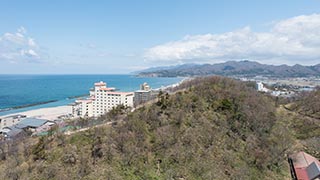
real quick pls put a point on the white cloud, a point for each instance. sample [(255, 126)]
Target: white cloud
[(29, 53), (294, 40), (31, 42), (16, 38), (15, 47), (22, 30)]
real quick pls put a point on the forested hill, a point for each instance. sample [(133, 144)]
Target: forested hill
[(233, 68), (308, 104), (211, 128)]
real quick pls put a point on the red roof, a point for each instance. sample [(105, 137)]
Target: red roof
[(301, 161), (301, 173)]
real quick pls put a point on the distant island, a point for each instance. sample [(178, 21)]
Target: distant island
[(232, 68)]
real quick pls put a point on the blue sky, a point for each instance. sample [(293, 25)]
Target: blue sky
[(118, 36)]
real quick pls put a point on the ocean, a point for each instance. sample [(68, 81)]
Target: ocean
[(20, 93)]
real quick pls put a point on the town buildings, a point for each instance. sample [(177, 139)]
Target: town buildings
[(274, 91), (101, 100), (260, 87), (10, 120), (143, 95), (83, 108), (31, 125)]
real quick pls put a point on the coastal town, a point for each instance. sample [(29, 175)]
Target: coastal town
[(283, 87), (160, 90), (101, 100)]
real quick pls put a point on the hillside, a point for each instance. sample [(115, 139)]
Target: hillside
[(211, 128), (305, 121), (308, 104), (230, 68)]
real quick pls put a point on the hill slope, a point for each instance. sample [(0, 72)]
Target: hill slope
[(212, 128), (308, 104)]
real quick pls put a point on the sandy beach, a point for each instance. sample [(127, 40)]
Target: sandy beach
[(51, 113)]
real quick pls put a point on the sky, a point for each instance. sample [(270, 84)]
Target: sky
[(122, 36)]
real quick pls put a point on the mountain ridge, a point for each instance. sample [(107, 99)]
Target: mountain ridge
[(230, 68)]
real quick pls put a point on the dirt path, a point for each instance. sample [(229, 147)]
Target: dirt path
[(87, 128)]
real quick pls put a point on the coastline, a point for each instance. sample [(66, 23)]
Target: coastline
[(51, 113), (54, 104), (52, 110), (175, 84), (28, 105), (40, 103)]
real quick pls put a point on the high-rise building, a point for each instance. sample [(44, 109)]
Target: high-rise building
[(102, 99)]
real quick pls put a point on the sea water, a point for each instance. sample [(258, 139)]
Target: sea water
[(27, 92)]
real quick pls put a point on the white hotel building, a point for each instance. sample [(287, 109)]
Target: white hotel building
[(102, 99)]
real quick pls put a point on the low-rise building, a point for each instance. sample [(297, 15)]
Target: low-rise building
[(82, 108), (141, 96), (11, 132), (303, 166), (8, 121), (31, 125), (145, 94)]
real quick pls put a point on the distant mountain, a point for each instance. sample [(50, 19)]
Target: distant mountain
[(160, 68), (230, 68)]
